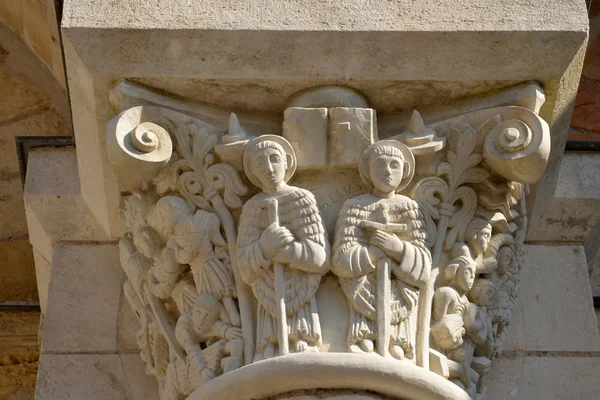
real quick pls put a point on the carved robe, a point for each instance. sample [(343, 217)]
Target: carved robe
[(298, 212), (352, 264)]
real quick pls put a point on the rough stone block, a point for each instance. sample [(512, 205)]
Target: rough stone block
[(17, 272), (37, 31), (54, 207), (306, 130), (573, 211), (94, 377), (554, 310), (544, 377), (10, 12), (23, 94), (83, 299), (43, 269), (351, 131)]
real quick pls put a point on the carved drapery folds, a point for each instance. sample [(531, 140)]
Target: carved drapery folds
[(225, 255)]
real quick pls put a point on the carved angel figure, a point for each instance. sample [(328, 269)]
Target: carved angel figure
[(283, 250), (379, 253)]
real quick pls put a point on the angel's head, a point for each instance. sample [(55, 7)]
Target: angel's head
[(206, 313), (478, 235), (482, 292), (167, 213), (387, 166)]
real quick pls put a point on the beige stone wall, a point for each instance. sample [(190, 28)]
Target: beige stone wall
[(35, 21), (34, 102)]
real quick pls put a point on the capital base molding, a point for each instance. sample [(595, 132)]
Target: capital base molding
[(335, 251)]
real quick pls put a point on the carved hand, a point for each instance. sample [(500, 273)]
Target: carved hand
[(274, 239), (390, 244), (233, 333), (286, 255)]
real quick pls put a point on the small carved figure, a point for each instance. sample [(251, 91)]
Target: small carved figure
[(191, 239), (480, 331), (450, 306), (283, 250), (506, 279), (478, 236), (380, 254)]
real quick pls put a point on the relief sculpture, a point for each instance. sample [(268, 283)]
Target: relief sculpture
[(283, 251), (229, 264), (380, 254)]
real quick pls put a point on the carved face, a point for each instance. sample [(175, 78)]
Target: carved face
[(483, 294), (386, 172), (269, 166), (479, 242), (148, 242), (465, 277), (504, 258)]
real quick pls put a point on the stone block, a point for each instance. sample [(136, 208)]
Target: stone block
[(54, 206), (554, 310), (37, 31), (544, 377), (10, 13), (83, 299), (24, 96), (351, 131), (573, 210), (306, 130), (12, 210), (43, 269), (94, 377), (17, 272)]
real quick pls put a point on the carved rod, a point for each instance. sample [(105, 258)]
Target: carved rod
[(426, 294), (384, 316), (279, 283), (241, 288)]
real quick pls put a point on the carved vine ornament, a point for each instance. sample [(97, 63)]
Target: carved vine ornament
[(229, 235)]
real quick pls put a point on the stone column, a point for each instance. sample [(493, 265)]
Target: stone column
[(183, 116)]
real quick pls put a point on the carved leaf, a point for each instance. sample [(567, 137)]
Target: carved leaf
[(226, 179), (474, 175), (465, 201), (166, 180), (203, 143), (429, 192), (191, 185)]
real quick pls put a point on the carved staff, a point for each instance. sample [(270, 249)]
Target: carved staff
[(279, 283), (384, 295)]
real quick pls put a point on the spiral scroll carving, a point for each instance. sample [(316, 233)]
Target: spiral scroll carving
[(517, 144)]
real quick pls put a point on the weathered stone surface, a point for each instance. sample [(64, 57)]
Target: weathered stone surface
[(37, 31), (17, 271), (545, 377), (554, 310), (94, 377), (10, 13), (19, 354), (83, 299), (54, 207), (43, 269), (573, 210)]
